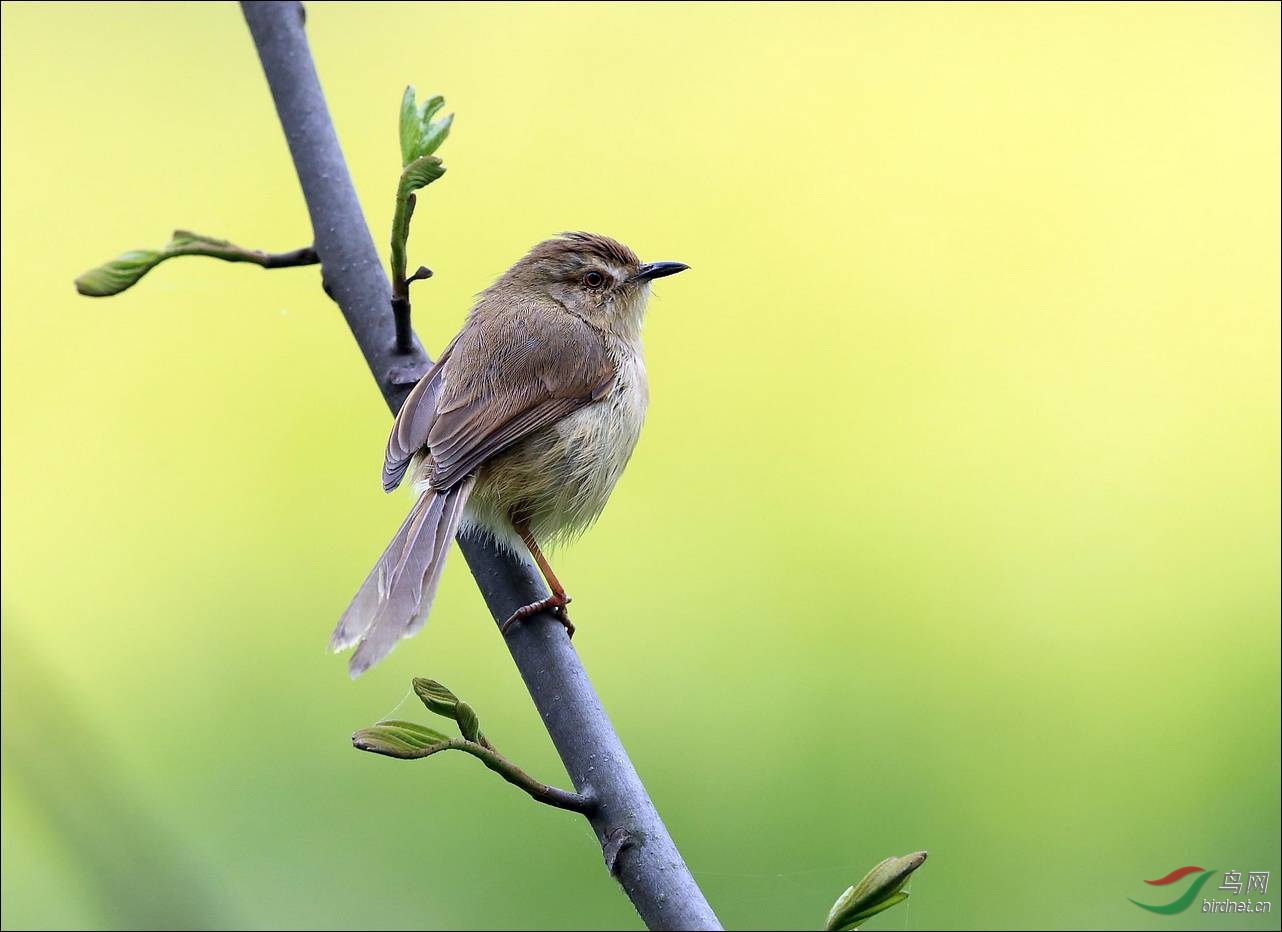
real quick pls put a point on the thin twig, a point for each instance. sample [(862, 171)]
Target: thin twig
[(641, 853), (285, 260), (548, 795), (185, 243), (126, 270), (400, 283), (367, 740)]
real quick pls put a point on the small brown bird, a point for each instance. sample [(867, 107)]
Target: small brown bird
[(519, 431)]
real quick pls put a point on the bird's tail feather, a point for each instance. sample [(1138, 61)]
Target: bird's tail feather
[(396, 597)]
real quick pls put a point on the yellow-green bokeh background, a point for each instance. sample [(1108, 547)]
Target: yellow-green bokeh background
[(954, 524)]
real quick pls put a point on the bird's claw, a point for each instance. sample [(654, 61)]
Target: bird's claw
[(553, 605)]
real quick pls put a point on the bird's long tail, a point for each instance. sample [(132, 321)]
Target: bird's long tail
[(397, 595)]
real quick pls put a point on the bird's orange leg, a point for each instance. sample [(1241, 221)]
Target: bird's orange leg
[(556, 602)]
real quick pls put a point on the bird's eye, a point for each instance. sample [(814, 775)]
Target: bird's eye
[(594, 279)]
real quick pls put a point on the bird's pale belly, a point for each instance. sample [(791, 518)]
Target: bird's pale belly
[(560, 478)]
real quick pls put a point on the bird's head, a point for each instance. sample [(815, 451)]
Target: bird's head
[(593, 277)]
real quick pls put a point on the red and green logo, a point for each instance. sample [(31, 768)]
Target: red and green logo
[(1186, 898)]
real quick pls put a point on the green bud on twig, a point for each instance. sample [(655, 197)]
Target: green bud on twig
[(444, 703), (468, 724), (120, 273), (419, 174), (419, 134), (405, 740), (435, 696), (420, 137), (880, 889), (409, 741)]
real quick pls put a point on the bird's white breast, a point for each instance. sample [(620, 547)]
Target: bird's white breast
[(598, 440), (562, 476)]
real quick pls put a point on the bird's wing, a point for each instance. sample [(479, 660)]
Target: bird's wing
[(413, 421), (509, 374)]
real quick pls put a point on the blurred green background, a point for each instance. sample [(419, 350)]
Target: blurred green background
[(954, 525)]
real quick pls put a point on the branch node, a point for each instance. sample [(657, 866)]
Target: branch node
[(614, 844), (409, 374)]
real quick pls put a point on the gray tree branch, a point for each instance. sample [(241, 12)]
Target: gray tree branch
[(636, 844)]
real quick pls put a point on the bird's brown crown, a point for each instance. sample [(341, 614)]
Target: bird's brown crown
[(589, 244), (568, 258)]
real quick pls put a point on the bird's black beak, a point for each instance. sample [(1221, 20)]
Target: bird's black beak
[(649, 271)]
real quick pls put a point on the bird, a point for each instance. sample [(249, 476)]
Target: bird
[(518, 432)]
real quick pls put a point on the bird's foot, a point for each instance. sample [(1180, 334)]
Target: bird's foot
[(554, 604)]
